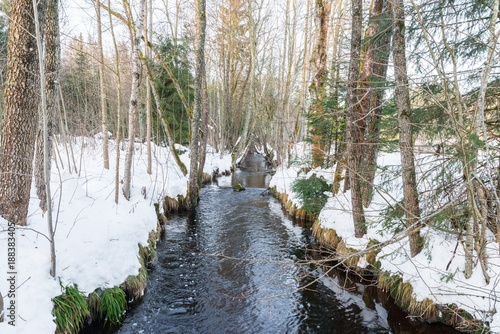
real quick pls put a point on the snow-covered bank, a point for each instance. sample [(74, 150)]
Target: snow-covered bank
[(96, 239), (437, 273)]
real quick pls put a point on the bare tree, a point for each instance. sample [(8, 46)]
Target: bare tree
[(353, 129), (198, 104), (51, 70), (372, 82), (233, 49), (136, 32), (204, 126), (118, 106), (148, 33), (51, 56), (305, 59), (245, 137), (468, 134), (410, 192), (104, 113)]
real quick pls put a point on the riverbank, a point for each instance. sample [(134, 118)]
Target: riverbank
[(431, 285), (97, 241)]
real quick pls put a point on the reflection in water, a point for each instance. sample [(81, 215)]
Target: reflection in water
[(233, 266), (252, 173)]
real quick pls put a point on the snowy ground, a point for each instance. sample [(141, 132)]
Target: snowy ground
[(427, 272), (96, 239)]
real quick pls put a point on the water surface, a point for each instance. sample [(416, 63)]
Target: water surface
[(236, 266)]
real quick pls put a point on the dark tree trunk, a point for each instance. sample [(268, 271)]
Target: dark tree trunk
[(411, 205), (373, 77), (52, 56), (317, 87), (20, 115), (354, 126)]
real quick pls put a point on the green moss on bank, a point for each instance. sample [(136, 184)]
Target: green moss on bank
[(72, 310)]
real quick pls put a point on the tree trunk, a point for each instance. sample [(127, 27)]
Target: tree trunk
[(373, 77), (411, 205), (148, 31), (20, 115), (204, 126), (52, 60), (136, 34), (104, 114), (338, 114), (353, 131), (227, 102), (118, 107), (305, 69), (51, 57), (65, 131), (245, 139), (317, 88), (198, 104), (476, 190)]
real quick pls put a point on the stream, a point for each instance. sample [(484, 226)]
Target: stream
[(234, 266)]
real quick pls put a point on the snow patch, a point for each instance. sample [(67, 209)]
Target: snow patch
[(435, 273), (96, 239)]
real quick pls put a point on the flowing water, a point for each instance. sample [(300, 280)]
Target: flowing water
[(234, 266)]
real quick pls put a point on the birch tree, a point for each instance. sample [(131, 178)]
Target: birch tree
[(136, 32), (194, 145), (118, 135)]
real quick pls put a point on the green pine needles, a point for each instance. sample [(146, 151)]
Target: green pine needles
[(311, 192)]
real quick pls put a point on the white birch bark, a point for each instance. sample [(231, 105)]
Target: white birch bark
[(136, 35)]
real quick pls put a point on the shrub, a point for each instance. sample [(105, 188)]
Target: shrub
[(311, 192)]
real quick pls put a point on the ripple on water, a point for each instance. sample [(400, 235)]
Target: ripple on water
[(231, 268)]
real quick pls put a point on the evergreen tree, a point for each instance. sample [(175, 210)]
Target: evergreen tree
[(175, 55)]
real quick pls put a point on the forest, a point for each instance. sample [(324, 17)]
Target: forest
[(390, 108)]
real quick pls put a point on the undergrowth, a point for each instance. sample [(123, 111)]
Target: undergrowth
[(311, 192), (113, 305), (70, 310)]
